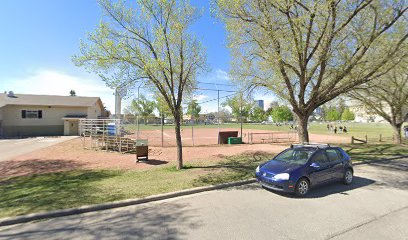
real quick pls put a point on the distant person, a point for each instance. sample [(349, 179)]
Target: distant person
[(328, 127), (340, 129), (335, 130), (344, 129)]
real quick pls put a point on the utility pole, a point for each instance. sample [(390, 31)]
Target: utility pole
[(241, 112), (192, 124), (218, 116), (162, 122)]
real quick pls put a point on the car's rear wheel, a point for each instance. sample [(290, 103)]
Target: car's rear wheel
[(348, 177), (302, 187)]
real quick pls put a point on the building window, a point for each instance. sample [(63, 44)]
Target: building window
[(31, 114)]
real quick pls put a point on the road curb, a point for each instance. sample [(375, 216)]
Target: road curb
[(118, 204)]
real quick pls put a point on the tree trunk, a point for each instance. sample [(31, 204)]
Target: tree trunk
[(303, 133), (179, 143), (397, 133)]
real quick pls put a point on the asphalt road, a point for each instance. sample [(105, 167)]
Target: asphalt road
[(375, 206), (11, 148)]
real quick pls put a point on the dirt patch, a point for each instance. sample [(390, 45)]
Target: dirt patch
[(70, 155)]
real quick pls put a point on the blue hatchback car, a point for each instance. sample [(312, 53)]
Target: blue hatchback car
[(303, 166)]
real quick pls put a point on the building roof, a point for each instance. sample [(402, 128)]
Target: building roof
[(47, 100), (76, 116)]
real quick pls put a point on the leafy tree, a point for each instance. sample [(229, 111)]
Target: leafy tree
[(72, 93), (282, 114), (194, 109), (258, 115), (240, 106), (347, 115), (333, 114), (272, 105), (224, 115), (149, 39), (143, 107), (310, 52), (162, 107), (387, 96)]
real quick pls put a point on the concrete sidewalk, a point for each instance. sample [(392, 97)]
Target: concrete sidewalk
[(11, 148)]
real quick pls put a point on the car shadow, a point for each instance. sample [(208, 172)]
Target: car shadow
[(325, 190)]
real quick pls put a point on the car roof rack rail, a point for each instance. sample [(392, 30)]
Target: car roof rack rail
[(309, 144)]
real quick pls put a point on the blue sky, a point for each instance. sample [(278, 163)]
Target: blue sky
[(39, 37)]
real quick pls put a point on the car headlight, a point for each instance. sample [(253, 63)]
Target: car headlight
[(281, 176), (257, 169)]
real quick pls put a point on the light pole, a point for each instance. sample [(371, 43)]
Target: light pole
[(138, 111)]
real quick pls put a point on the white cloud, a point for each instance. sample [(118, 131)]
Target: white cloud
[(222, 75), (51, 82), (200, 97)]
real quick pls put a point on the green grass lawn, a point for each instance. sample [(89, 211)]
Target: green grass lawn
[(30, 194), (369, 152)]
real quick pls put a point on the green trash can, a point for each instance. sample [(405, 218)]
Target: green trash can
[(234, 140)]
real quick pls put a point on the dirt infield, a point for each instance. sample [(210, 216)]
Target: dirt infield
[(70, 155), (209, 136)]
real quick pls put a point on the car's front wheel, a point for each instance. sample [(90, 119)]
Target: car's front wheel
[(348, 177), (302, 187)]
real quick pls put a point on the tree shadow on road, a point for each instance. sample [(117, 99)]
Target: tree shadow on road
[(170, 221)]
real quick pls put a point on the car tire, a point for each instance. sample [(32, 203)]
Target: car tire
[(302, 187), (348, 177)]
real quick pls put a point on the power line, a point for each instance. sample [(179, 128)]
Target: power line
[(220, 84), (214, 90), (214, 99), (195, 88)]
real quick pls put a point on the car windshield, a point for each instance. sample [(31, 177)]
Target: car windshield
[(295, 155)]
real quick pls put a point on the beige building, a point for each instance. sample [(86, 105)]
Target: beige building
[(364, 114), (45, 115)]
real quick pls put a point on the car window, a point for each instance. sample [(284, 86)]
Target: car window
[(333, 155), (319, 157), (297, 156)]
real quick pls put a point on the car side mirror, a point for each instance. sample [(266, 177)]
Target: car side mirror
[(315, 165)]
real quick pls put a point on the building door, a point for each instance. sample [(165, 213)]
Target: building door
[(74, 128), (74, 131)]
